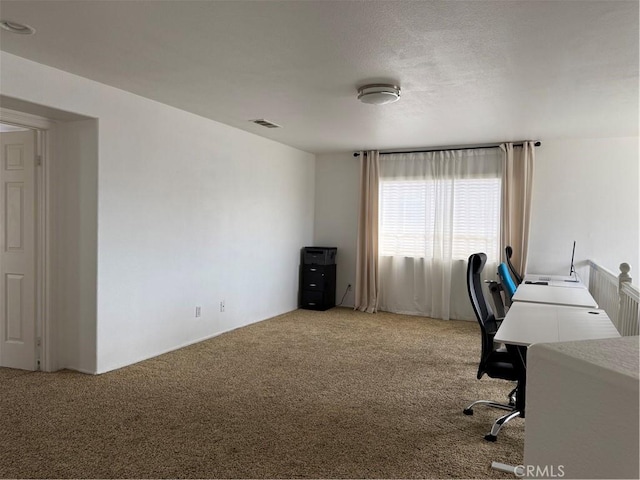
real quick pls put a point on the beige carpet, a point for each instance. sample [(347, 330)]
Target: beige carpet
[(335, 394)]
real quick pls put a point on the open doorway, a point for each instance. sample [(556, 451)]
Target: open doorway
[(66, 235)]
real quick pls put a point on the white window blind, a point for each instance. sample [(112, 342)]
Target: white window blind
[(433, 218)]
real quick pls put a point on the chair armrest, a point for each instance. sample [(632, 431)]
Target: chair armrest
[(495, 288)]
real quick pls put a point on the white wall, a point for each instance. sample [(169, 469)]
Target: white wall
[(336, 215), (584, 190), (73, 219), (189, 212)]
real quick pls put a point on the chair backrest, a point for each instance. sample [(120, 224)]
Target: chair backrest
[(508, 285), (482, 309), (516, 276)]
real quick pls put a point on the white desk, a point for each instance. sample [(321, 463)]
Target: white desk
[(529, 323), (573, 297), (555, 280)]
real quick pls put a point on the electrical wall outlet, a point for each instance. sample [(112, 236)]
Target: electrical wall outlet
[(198, 311), (222, 305)]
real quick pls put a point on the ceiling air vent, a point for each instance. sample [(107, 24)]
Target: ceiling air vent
[(265, 123)]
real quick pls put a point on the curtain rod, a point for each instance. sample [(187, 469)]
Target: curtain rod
[(444, 149)]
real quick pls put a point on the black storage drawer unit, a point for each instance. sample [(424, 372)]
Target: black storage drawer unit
[(318, 278), (313, 300), (314, 277)]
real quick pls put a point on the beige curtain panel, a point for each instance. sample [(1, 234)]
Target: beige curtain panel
[(517, 184), (367, 282)]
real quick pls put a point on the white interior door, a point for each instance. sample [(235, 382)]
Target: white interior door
[(17, 250)]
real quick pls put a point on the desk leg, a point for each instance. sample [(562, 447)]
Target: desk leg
[(519, 354)]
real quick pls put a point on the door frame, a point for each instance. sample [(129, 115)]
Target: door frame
[(45, 352)]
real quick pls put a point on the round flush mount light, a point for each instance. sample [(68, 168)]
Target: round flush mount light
[(379, 93), (15, 27)]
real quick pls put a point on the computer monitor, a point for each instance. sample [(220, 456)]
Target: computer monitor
[(572, 270)]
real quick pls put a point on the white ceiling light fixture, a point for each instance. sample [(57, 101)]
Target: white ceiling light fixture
[(379, 93), (15, 27)]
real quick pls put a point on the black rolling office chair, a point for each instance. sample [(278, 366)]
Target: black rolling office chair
[(494, 362), (516, 276)]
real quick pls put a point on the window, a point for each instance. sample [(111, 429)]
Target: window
[(426, 218)]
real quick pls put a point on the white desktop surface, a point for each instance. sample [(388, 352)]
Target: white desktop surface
[(529, 323), (575, 297), (555, 280)]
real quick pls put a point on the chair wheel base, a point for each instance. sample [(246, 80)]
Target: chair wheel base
[(467, 411), (490, 438)]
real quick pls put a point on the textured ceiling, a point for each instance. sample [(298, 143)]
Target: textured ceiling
[(470, 72)]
